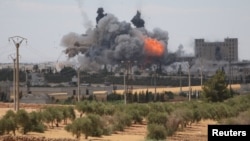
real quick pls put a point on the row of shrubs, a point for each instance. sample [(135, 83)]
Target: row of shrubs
[(37, 121), (163, 119), (143, 97), (99, 118)]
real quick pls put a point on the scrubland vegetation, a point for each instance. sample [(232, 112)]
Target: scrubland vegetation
[(99, 118)]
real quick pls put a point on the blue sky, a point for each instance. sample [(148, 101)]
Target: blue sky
[(44, 22)]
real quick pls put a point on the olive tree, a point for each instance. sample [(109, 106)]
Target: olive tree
[(23, 120)]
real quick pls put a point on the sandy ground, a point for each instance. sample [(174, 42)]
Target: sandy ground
[(195, 132)]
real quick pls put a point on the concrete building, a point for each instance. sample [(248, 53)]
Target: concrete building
[(36, 79), (36, 99), (217, 51), (61, 92)]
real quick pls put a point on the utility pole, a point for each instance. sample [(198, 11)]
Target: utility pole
[(14, 84), (230, 76), (14, 80), (189, 84), (190, 63), (17, 40), (155, 95), (201, 71), (124, 82), (127, 83), (78, 84), (180, 71)]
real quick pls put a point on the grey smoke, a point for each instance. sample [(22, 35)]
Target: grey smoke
[(86, 21), (180, 51), (111, 42)]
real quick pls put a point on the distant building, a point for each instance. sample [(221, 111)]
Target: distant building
[(100, 95), (217, 51), (36, 79), (36, 98)]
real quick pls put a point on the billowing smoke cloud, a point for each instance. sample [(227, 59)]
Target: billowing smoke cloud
[(100, 13), (137, 21), (113, 41)]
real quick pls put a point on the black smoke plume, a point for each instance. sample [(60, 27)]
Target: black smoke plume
[(137, 20), (100, 15)]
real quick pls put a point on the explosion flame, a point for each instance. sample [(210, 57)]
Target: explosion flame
[(153, 47)]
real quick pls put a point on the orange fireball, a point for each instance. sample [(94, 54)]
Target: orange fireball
[(153, 47)]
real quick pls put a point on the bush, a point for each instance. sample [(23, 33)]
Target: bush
[(137, 112), (135, 115), (172, 124), (97, 125), (36, 122), (156, 132), (242, 119), (108, 130), (94, 107), (157, 107), (183, 94), (23, 120), (79, 126), (40, 128), (157, 118), (52, 114), (122, 120), (91, 125), (68, 113), (8, 123), (170, 95), (114, 97)]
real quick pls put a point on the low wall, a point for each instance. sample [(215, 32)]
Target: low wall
[(25, 105), (173, 89)]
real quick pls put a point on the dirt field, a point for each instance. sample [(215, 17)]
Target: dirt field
[(195, 132)]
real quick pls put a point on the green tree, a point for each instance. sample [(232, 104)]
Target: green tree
[(156, 132), (215, 89), (36, 122), (68, 113), (53, 115), (6, 74), (122, 120), (23, 120), (2, 126), (65, 75), (79, 126), (68, 71), (7, 125), (96, 124), (90, 125)]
